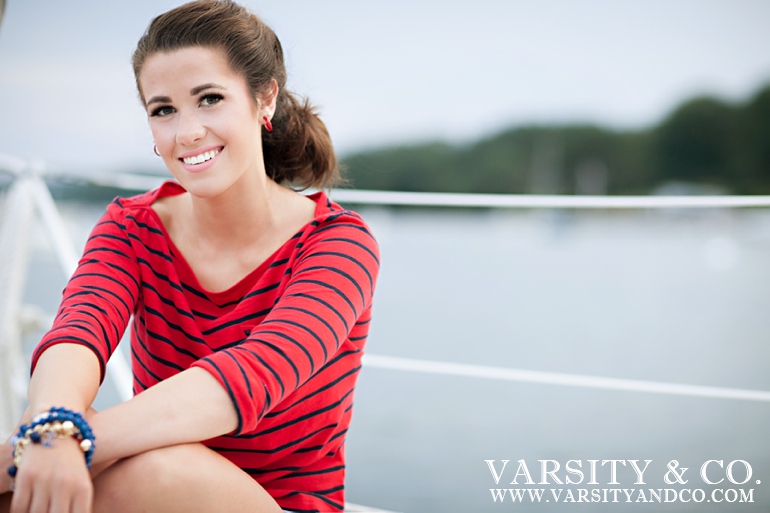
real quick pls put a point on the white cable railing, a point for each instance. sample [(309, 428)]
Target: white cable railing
[(119, 369), (140, 182), (556, 378), (437, 199)]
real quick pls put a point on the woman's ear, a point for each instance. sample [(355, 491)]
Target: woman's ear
[(268, 99)]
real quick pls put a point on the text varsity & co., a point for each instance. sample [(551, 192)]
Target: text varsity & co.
[(603, 481)]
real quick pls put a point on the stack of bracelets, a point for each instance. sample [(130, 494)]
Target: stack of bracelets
[(48, 426)]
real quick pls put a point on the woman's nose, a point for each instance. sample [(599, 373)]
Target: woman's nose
[(190, 129)]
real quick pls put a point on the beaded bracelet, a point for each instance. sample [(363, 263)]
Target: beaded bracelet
[(46, 428)]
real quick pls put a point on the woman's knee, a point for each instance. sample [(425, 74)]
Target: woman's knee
[(152, 471), (185, 478)]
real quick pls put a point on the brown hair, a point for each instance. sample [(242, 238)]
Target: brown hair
[(299, 150)]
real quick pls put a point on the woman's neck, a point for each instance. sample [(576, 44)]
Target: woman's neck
[(240, 216)]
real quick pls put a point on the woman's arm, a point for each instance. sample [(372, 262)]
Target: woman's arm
[(189, 407), (65, 375)]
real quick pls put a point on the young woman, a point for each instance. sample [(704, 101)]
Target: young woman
[(251, 302)]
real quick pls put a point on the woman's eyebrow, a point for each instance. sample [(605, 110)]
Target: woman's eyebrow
[(158, 99), (198, 89)]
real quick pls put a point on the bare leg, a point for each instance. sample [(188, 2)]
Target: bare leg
[(183, 478)]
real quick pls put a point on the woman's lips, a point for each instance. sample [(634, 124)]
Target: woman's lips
[(200, 159)]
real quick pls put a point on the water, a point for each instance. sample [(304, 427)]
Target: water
[(667, 296)]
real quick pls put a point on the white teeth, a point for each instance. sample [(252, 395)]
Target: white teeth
[(203, 157)]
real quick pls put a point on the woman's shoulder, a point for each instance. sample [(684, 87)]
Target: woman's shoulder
[(334, 222), (327, 210), (128, 205)]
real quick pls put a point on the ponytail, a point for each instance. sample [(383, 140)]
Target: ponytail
[(299, 150)]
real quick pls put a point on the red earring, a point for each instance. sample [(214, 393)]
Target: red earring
[(268, 126), (155, 149)]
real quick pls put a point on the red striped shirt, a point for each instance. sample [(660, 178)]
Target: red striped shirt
[(285, 342)]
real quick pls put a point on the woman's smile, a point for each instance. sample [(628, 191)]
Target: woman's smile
[(200, 160)]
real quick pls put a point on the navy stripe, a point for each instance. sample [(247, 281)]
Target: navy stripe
[(302, 327), (344, 225), (337, 271), (157, 274), (175, 327), (314, 472), (230, 392), (324, 284), (285, 357), (146, 226), (108, 250), (321, 319), (315, 254), (111, 293), (325, 303), (137, 381), (315, 392), (108, 236), (155, 252), (239, 320), (290, 339), (146, 369), (85, 307), (167, 301), (196, 292), (266, 366), (318, 496), (281, 447), (301, 418), (243, 373), (109, 278), (262, 290), (154, 356), (356, 243), (69, 338)]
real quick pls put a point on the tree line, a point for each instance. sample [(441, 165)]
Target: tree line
[(705, 142)]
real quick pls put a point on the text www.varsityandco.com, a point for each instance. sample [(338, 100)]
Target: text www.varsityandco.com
[(712, 472)]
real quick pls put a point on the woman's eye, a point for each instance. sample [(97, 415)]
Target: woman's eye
[(165, 110), (211, 99)]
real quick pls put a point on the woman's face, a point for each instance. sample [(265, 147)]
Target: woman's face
[(205, 123)]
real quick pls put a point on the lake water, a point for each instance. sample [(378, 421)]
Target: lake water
[(670, 296)]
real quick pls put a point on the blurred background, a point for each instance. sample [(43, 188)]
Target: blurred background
[(548, 97)]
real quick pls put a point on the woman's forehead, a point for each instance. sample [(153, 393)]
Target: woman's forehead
[(186, 68)]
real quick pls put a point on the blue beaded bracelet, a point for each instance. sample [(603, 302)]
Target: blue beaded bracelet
[(45, 428)]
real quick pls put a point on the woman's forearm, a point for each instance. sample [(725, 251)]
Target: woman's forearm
[(189, 407), (65, 375)]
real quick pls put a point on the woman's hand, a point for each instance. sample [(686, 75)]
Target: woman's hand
[(6, 459), (53, 479)]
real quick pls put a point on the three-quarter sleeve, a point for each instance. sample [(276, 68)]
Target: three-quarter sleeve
[(330, 288), (100, 296)]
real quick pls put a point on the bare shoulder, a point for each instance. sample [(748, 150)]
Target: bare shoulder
[(298, 208), (167, 207)]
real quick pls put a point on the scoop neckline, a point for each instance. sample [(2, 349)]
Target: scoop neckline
[(242, 286)]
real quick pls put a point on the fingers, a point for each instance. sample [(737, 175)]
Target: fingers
[(66, 496), (39, 503), (82, 503), (71, 494), (22, 498), (52, 481)]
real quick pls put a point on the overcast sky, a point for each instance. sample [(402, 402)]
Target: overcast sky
[(395, 72)]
